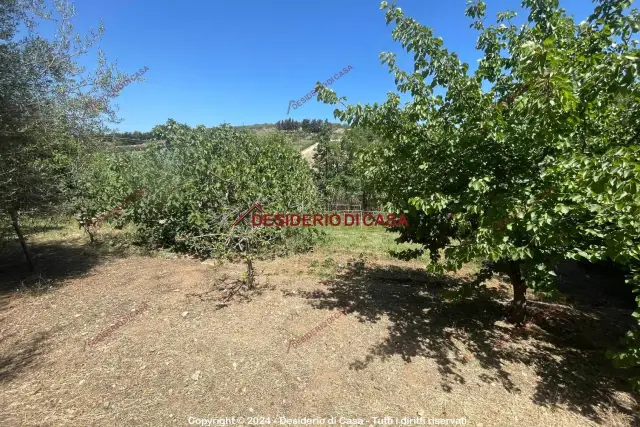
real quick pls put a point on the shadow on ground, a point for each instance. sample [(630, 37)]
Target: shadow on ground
[(23, 355), (54, 262), (564, 345)]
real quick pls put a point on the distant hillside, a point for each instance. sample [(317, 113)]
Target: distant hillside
[(300, 133), (307, 125), (131, 138)]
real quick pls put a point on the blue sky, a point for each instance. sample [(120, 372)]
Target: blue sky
[(242, 61)]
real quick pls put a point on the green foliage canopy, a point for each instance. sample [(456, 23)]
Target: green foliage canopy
[(48, 116), (200, 183), (338, 170), (533, 158)]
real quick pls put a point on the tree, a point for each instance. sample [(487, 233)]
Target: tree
[(131, 138), (288, 124), (49, 106), (357, 145), (199, 184), (529, 160), (315, 126), (338, 169), (325, 161)]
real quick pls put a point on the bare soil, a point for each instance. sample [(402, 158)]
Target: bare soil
[(404, 348), (308, 153)]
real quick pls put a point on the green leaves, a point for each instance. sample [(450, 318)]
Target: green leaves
[(201, 183), (48, 124), (534, 157)]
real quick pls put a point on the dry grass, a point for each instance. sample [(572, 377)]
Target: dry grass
[(308, 152), (403, 348)]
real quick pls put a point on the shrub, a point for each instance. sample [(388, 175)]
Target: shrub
[(201, 181)]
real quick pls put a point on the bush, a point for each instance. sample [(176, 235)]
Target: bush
[(201, 182)]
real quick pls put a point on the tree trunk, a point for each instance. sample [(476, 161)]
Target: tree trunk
[(15, 220), (519, 307), (88, 231)]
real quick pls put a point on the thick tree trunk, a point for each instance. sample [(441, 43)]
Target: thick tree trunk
[(519, 307), (15, 220)]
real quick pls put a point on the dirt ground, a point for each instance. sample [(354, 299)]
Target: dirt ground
[(143, 341), (308, 153)]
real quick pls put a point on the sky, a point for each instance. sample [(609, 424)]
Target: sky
[(242, 61)]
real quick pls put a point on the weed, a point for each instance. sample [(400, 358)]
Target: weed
[(37, 285), (326, 270)]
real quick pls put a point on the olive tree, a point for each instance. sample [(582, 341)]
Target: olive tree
[(51, 109)]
